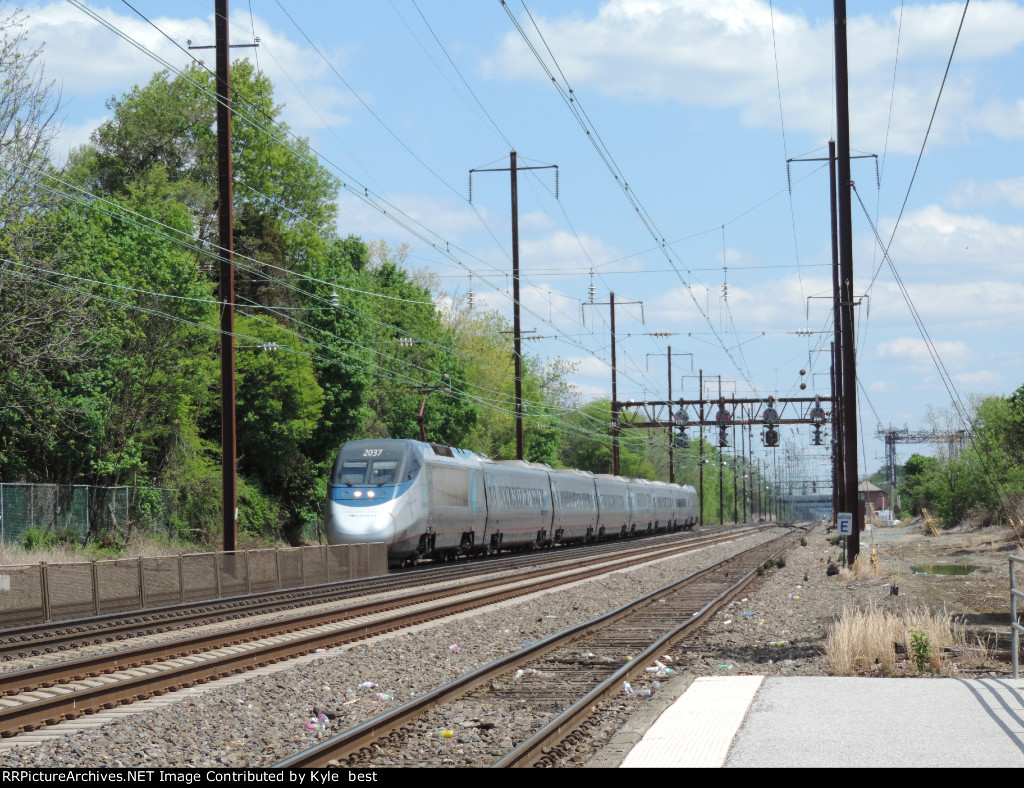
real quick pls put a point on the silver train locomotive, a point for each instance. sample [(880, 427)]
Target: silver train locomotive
[(426, 500)]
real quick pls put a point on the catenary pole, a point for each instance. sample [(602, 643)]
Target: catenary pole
[(228, 438), (848, 394)]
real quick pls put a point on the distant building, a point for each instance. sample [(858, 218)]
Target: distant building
[(870, 494)]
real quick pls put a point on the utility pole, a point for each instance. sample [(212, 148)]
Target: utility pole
[(701, 496), (848, 394), (225, 228), (720, 462), (672, 435), (838, 453), (513, 168), (225, 197), (616, 405)]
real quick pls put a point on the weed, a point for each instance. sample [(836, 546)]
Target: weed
[(921, 649), (780, 562), (803, 542)]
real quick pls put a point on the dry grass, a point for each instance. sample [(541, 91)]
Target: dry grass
[(863, 642), (16, 555), (862, 568)]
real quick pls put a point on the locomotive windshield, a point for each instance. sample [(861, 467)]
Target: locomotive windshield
[(369, 462)]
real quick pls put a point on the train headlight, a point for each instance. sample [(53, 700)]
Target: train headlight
[(370, 494), (357, 494)]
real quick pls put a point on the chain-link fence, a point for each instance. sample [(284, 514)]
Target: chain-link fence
[(32, 594), (71, 512)]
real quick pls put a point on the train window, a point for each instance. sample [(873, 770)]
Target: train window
[(412, 470), (451, 487), (352, 472), (383, 472)]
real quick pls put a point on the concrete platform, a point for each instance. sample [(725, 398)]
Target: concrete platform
[(751, 721)]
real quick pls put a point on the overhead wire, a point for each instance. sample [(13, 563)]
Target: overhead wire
[(573, 104)]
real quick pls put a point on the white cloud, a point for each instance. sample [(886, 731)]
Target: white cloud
[(914, 351), (980, 380), (563, 251), (73, 135), (88, 59), (933, 236), (447, 218), (989, 305), (972, 194), (726, 53)]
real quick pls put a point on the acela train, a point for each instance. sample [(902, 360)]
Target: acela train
[(427, 500)]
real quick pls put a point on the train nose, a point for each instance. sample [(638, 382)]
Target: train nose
[(361, 525)]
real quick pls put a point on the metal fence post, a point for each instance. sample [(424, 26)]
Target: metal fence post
[(216, 572), (181, 578), (142, 586), (302, 566), (95, 589), (248, 577), (1015, 627), (327, 563), (277, 560), (44, 582)]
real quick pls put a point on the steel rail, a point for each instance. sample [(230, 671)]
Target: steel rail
[(362, 737), (544, 743), (99, 689), (53, 637)]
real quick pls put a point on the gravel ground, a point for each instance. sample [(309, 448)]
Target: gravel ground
[(777, 628)]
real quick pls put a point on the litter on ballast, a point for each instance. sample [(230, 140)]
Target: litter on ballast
[(454, 647), (724, 667)]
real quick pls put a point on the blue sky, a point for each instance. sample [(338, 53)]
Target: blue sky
[(698, 105)]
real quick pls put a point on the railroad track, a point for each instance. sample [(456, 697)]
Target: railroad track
[(45, 695), (69, 635), (574, 671)]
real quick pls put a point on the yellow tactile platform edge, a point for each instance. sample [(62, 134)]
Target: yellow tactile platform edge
[(698, 729)]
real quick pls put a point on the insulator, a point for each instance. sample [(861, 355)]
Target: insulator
[(878, 175), (470, 186), (335, 301), (471, 297), (556, 182), (789, 180)]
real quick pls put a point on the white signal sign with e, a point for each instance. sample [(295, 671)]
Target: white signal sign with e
[(845, 522)]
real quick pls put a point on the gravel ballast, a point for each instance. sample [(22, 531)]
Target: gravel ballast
[(778, 628)]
